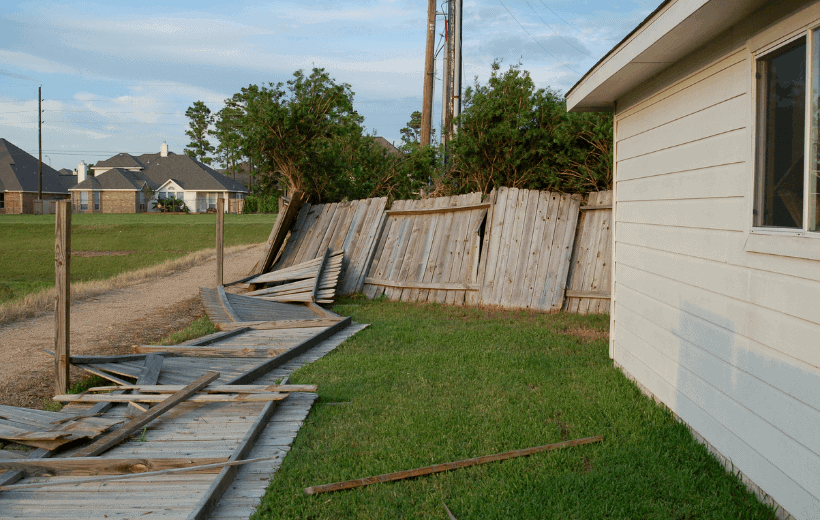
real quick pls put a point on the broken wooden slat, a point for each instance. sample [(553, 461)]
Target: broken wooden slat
[(148, 376), (590, 208), (319, 274), (438, 468), (10, 477), (105, 466), (108, 441)]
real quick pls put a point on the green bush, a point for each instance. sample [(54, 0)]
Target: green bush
[(261, 204)]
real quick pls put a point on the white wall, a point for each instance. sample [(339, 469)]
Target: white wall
[(728, 339)]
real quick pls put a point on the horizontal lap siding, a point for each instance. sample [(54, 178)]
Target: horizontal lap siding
[(727, 339)]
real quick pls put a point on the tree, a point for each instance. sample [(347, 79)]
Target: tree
[(512, 134), (199, 120)]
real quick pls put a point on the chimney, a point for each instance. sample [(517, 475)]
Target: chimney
[(82, 171), (163, 150)]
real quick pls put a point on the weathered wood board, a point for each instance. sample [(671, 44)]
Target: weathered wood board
[(352, 226), (427, 250), (528, 243), (588, 285)]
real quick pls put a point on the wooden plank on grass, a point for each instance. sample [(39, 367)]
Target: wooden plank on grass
[(438, 468), (155, 398), (110, 440), (210, 389), (588, 294)]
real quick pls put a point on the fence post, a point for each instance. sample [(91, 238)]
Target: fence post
[(62, 286), (220, 232)]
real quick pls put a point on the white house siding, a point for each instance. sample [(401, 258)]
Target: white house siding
[(727, 339)]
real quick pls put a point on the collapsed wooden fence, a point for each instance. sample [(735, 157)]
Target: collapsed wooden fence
[(514, 249)]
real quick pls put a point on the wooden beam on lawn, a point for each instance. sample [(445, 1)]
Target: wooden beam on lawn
[(283, 324), (220, 235), (120, 434), (62, 286), (106, 466), (438, 468), (223, 299), (590, 208), (430, 211), (266, 366), (220, 484)]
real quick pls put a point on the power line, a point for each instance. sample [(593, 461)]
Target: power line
[(553, 30), (536, 41), (559, 17)]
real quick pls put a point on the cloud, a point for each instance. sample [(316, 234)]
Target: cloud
[(9, 74)]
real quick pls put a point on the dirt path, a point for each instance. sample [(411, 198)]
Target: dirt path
[(108, 324)]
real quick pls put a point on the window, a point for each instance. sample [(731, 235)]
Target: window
[(171, 194), (786, 188), (162, 195), (142, 201), (212, 200), (2, 200), (83, 201), (96, 201)]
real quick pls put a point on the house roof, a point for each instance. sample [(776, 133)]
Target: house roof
[(115, 179), (19, 172), (387, 145), (121, 160), (673, 30), (186, 171), (241, 175)]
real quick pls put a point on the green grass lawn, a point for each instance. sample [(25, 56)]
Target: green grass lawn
[(432, 384), (27, 244)]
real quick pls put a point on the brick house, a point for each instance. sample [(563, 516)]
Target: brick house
[(19, 180), (132, 184)]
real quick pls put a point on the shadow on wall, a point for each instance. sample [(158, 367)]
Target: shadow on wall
[(760, 411)]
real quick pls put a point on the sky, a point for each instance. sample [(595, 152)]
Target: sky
[(119, 76)]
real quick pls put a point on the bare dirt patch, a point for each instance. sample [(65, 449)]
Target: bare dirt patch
[(90, 253), (586, 335), (109, 323)]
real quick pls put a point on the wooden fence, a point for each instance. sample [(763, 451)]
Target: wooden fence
[(351, 226), (518, 249), (429, 251), (588, 289)]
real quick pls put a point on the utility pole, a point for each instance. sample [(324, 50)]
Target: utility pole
[(427, 104), (446, 92), (456, 62), (40, 126)]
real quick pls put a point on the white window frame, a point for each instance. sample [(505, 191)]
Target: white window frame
[(791, 242)]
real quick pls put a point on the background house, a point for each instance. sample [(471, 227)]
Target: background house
[(127, 184), (19, 174), (716, 246)]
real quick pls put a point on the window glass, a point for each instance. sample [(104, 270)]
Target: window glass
[(97, 200), (814, 164), (162, 195), (83, 200), (2, 200), (781, 77)]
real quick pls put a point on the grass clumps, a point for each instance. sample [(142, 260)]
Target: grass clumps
[(198, 328), (430, 384)]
